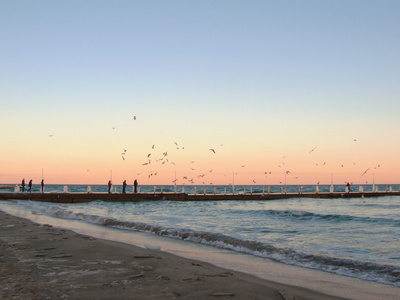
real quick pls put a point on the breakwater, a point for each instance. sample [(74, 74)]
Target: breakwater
[(172, 196)]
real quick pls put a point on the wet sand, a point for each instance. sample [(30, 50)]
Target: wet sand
[(45, 262)]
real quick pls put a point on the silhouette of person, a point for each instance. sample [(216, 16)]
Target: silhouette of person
[(23, 185), (123, 187), (135, 184), (30, 186), (348, 187), (109, 186), (42, 185)]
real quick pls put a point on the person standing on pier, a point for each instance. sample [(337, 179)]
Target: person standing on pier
[(123, 187), (42, 186), (135, 184), (23, 185), (109, 186), (348, 187), (30, 186)]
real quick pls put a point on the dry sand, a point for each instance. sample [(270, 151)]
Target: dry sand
[(44, 262)]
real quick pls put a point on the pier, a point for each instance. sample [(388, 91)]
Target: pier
[(159, 196)]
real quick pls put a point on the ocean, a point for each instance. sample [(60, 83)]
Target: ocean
[(356, 237)]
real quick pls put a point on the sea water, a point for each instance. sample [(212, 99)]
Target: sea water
[(356, 237)]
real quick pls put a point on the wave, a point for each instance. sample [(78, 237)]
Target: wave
[(308, 216), (382, 273)]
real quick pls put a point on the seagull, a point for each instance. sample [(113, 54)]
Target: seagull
[(113, 128), (134, 118), (148, 155), (254, 181), (313, 149), (212, 150), (51, 135), (123, 158), (242, 166), (152, 147), (365, 172)]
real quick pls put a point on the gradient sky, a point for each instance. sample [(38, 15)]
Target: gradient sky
[(263, 83)]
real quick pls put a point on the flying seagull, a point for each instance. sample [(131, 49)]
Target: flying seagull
[(313, 149), (212, 150), (365, 172)]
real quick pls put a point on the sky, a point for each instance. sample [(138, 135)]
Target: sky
[(295, 92)]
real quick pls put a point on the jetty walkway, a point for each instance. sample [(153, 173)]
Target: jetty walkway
[(159, 196)]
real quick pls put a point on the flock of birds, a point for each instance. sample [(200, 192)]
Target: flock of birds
[(164, 159)]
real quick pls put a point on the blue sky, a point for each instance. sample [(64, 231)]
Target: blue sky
[(289, 73)]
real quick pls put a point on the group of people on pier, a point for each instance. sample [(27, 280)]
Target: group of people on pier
[(30, 186), (135, 186)]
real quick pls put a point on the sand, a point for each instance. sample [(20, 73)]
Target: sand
[(45, 262)]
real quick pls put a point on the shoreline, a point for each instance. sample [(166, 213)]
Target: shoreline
[(294, 278), (42, 261)]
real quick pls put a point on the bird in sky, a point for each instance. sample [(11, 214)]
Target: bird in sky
[(313, 149), (365, 172), (134, 118), (51, 135), (212, 150)]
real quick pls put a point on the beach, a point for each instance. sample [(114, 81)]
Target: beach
[(39, 261)]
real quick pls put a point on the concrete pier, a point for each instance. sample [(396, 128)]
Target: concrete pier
[(119, 197)]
